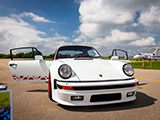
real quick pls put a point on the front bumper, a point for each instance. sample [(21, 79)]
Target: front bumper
[(95, 93)]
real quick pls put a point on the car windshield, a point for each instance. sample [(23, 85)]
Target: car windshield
[(77, 52)]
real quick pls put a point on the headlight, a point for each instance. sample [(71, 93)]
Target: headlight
[(128, 69), (65, 71)]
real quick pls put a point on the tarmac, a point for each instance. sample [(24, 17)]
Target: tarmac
[(31, 102)]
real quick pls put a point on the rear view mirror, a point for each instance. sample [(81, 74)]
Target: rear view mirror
[(114, 58)]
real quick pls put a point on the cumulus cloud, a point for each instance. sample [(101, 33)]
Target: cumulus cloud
[(151, 17), (115, 38), (119, 23), (150, 41), (97, 17), (117, 35), (16, 33), (96, 11), (49, 45), (80, 39)]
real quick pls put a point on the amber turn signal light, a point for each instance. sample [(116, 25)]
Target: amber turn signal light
[(135, 84), (67, 87)]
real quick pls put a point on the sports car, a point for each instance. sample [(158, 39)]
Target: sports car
[(79, 76)]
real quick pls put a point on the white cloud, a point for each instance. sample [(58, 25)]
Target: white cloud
[(97, 17), (117, 35), (34, 17), (114, 38), (17, 33), (150, 41), (49, 45), (95, 11), (107, 23), (90, 29), (151, 17), (80, 39)]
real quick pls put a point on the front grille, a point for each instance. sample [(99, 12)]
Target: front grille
[(105, 97)]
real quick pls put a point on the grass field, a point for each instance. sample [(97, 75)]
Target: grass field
[(147, 65)]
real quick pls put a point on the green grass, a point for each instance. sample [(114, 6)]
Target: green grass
[(48, 59), (147, 65)]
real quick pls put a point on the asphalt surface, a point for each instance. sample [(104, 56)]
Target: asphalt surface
[(31, 102)]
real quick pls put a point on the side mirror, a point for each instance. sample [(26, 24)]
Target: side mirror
[(114, 58), (38, 57)]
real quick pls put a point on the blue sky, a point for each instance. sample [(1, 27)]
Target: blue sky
[(63, 12), (132, 25)]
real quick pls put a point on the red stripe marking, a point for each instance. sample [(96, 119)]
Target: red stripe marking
[(31, 78), (21, 77), (25, 78), (43, 78)]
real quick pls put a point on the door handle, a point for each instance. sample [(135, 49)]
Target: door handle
[(13, 65)]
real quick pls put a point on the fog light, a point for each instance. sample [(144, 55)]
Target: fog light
[(129, 94), (77, 98)]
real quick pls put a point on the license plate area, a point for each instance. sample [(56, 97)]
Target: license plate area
[(105, 97)]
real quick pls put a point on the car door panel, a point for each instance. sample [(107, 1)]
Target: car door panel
[(29, 70), (32, 70)]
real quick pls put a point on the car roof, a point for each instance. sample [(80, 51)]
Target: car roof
[(75, 46)]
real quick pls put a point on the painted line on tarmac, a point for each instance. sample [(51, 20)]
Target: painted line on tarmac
[(147, 79)]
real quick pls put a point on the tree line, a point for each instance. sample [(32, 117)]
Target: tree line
[(23, 55)]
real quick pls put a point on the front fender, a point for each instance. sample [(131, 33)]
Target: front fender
[(118, 64), (55, 75)]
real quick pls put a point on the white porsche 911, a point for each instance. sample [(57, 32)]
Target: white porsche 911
[(78, 76)]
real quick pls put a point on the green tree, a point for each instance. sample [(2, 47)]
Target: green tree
[(19, 55)]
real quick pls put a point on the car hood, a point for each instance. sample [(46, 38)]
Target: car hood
[(92, 70)]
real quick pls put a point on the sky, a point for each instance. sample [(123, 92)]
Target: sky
[(131, 25)]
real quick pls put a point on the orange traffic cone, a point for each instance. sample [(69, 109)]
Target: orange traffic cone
[(143, 66)]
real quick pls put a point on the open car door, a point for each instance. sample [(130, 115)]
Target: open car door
[(27, 64), (118, 54)]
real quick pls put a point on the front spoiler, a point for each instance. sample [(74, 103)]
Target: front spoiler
[(64, 96)]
